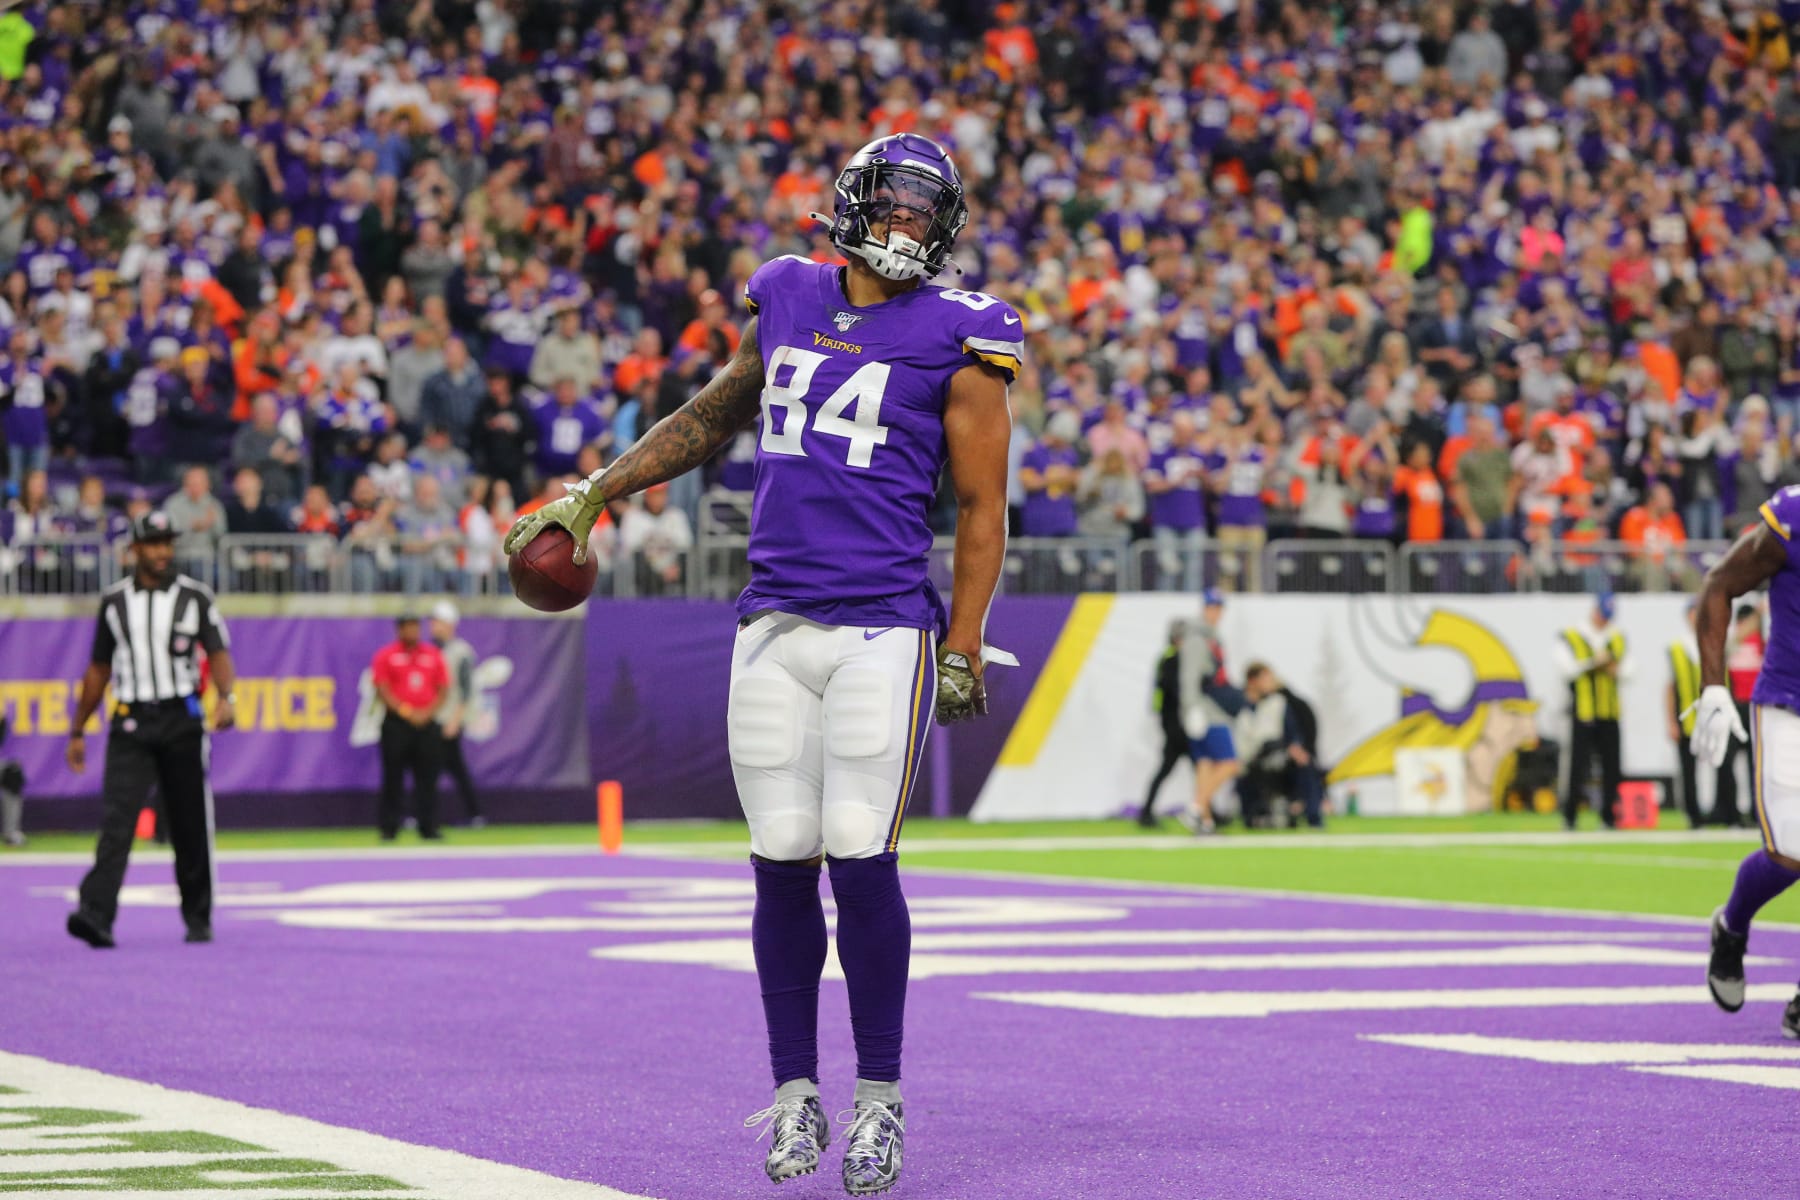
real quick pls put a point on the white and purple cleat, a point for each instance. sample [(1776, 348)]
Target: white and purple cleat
[(872, 1159), (801, 1133)]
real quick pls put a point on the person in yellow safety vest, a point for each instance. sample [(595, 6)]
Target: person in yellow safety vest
[(1593, 661), (1684, 690)]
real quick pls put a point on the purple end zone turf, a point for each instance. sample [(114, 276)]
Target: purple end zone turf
[(523, 1047)]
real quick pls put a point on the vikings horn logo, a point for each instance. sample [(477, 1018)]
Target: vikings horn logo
[(1492, 721)]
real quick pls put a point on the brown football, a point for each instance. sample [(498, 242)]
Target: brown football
[(544, 573)]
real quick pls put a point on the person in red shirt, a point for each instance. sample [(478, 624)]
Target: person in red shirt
[(410, 677), (1743, 663)]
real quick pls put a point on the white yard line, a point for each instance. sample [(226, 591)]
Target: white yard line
[(441, 1174)]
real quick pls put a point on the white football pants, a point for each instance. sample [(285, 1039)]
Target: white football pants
[(827, 728), (1775, 765)]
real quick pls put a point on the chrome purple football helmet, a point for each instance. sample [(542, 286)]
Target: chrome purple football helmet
[(903, 170)]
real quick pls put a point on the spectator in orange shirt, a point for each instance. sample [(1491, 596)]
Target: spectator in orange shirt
[(645, 361), (1008, 48), (316, 514), (1570, 429), (256, 360), (1653, 529), (713, 316), (1424, 495)]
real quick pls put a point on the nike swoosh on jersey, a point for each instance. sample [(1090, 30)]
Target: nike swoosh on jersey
[(1010, 320), (871, 635)]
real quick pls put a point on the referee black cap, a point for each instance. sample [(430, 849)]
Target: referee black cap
[(153, 527)]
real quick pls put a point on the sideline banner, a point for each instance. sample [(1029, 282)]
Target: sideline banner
[(308, 719), (1383, 673)]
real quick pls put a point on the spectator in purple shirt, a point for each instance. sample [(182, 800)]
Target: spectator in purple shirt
[(1240, 473), (565, 423), (1176, 484), (24, 398), (1050, 471)]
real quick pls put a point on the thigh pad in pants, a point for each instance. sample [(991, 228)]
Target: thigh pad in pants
[(876, 709), (772, 726)]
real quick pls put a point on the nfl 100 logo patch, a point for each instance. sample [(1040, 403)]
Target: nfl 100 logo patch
[(846, 320)]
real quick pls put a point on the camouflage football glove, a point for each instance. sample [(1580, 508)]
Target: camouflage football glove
[(576, 512), (960, 692)]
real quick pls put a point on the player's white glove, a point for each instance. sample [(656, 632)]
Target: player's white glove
[(1716, 722), (576, 512)]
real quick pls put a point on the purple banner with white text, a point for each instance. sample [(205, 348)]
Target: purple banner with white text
[(308, 718)]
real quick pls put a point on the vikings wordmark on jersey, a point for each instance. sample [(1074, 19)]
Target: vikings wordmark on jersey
[(851, 440)]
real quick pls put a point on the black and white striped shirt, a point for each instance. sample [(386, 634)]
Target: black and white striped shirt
[(149, 637)]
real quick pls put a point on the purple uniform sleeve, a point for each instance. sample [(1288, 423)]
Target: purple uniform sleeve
[(989, 330), (1781, 513), (768, 280)]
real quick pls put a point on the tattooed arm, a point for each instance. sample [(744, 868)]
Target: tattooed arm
[(674, 446), (691, 434)]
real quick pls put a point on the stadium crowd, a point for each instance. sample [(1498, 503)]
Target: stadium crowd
[(1405, 271)]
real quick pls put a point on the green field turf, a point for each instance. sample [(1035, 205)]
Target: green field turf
[(1666, 874)]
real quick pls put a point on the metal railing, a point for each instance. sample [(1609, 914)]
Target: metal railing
[(1350, 565), (264, 564), (75, 565), (1462, 568), (717, 567)]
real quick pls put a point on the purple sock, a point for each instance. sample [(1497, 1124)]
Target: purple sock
[(787, 934), (874, 940), (1759, 880)]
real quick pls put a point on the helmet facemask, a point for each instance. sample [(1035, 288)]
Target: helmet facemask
[(898, 194)]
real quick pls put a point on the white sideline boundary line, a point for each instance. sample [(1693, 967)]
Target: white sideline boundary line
[(711, 853), (1163, 843)]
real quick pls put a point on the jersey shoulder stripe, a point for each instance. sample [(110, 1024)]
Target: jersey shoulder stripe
[(1775, 523)]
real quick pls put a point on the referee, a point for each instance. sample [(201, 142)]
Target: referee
[(151, 626)]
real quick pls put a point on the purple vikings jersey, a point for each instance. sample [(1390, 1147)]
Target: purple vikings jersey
[(1184, 507), (1779, 682), (851, 440), (145, 406)]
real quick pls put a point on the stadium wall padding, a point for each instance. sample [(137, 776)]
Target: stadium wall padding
[(1383, 673), (626, 690), (658, 673)]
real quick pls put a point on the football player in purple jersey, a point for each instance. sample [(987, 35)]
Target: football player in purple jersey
[(865, 382), (1766, 555)]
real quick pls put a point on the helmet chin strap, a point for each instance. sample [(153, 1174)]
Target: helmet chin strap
[(899, 258), (883, 260)]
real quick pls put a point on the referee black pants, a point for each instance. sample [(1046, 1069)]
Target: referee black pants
[(459, 774), (1690, 783), (1725, 789), (1175, 748), (417, 749), (158, 745), (1594, 743)]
